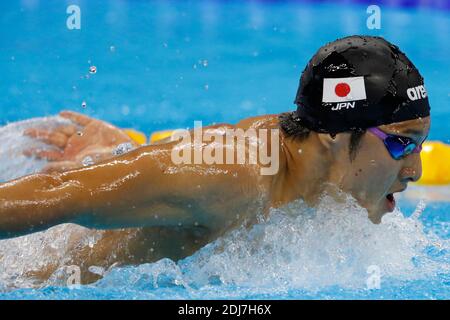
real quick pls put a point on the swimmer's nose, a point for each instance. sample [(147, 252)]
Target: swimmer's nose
[(412, 171)]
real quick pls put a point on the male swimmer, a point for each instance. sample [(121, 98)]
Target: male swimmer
[(362, 116)]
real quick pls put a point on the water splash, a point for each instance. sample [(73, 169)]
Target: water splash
[(334, 244), (295, 248)]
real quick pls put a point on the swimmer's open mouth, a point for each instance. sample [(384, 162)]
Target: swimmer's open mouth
[(390, 202)]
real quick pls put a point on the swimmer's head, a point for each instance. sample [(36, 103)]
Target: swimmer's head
[(355, 94)]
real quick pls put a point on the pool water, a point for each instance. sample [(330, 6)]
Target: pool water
[(164, 64)]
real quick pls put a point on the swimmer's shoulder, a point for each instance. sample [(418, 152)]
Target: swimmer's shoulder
[(267, 121)]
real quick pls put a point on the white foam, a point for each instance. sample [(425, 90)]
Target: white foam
[(334, 244), (13, 163)]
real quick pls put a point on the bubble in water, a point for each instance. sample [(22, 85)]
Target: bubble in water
[(112, 48), (93, 69), (83, 104)]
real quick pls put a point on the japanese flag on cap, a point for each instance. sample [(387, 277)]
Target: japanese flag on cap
[(343, 89)]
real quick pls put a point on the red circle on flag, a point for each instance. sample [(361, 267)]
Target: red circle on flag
[(342, 89)]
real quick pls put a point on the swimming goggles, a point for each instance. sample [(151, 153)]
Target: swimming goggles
[(398, 146)]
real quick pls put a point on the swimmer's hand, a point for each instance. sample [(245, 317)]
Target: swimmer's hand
[(70, 144)]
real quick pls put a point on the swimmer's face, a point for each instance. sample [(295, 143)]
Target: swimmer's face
[(373, 177)]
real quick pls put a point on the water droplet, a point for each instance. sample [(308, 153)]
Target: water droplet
[(93, 69), (96, 270), (206, 86), (87, 161), (205, 63), (123, 148), (91, 242), (112, 48)]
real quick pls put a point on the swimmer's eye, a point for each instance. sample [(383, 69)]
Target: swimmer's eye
[(397, 146)]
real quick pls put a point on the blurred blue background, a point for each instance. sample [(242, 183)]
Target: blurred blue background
[(164, 64)]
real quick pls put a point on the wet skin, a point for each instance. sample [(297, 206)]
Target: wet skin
[(172, 210)]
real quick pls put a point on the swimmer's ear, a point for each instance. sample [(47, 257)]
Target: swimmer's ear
[(331, 142)]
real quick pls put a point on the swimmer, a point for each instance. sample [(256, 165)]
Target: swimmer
[(362, 116)]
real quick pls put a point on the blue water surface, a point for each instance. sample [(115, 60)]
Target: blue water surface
[(164, 64)]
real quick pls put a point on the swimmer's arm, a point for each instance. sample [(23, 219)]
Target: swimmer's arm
[(134, 190), (34, 203)]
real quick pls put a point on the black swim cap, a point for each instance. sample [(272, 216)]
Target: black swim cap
[(359, 82)]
